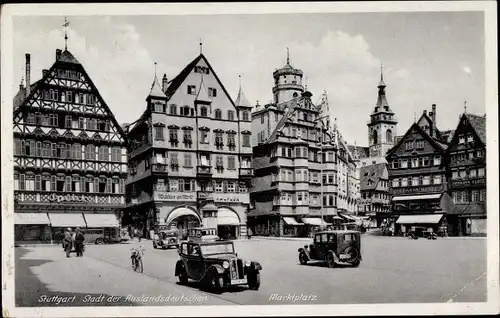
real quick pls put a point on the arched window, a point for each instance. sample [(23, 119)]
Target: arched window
[(218, 114), (388, 135), (375, 137)]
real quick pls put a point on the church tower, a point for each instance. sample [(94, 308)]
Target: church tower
[(382, 127), (287, 82)]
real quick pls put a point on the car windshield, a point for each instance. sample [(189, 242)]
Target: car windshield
[(217, 249)]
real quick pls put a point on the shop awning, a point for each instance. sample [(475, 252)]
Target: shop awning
[(417, 197), (67, 220), (291, 221), (314, 221), (419, 219), (348, 217), (31, 218), (180, 212), (226, 216), (101, 220)]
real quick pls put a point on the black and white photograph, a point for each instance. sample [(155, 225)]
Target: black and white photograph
[(198, 159)]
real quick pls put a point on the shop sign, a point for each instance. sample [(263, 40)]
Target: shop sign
[(231, 198), (423, 189), (70, 198), (468, 182), (174, 196)]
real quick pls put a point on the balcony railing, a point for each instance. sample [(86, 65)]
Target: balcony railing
[(159, 168), (204, 170)]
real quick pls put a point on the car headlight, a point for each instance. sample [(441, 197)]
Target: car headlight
[(225, 264), (248, 263)]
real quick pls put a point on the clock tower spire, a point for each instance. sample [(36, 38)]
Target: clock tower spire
[(382, 126)]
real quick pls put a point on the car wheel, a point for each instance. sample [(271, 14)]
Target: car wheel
[(183, 278), (155, 246), (302, 258), (215, 283), (330, 260), (254, 281), (356, 263), (99, 241)]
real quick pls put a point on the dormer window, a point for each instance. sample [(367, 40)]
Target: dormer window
[(470, 138)]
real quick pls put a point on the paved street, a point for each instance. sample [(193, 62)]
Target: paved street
[(393, 270)]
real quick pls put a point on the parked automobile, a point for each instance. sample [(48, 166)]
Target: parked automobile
[(215, 265), (166, 238), (333, 247), (104, 235)]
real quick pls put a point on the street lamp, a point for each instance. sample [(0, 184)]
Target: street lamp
[(322, 163)]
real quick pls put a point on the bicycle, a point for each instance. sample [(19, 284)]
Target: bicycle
[(136, 257)]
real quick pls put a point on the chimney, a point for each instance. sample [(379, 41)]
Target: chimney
[(434, 114), (28, 73), (58, 54), (164, 83), (44, 72), (425, 112)]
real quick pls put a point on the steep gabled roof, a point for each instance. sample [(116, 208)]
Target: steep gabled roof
[(479, 125), (370, 176), (440, 146), (66, 58), (181, 77)]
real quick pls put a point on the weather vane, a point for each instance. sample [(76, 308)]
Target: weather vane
[(65, 25), (201, 46)]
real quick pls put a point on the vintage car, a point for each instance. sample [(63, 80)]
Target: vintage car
[(333, 247), (164, 238), (215, 265)]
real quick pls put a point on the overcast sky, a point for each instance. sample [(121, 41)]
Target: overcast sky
[(428, 57)]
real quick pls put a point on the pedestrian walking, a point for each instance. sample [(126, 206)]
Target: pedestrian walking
[(67, 242), (250, 234), (79, 239)]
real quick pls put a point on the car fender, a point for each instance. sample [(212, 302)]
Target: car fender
[(255, 266), (335, 257), (215, 269), (178, 267), (306, 251)]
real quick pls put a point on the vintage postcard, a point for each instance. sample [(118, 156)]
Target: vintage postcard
[(229, 159)]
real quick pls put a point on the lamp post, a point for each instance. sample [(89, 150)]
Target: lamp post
[(322, 142)]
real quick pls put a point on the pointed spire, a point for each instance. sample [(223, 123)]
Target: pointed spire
[(381, 83), (287, 56), (202, 95), (465, 107), (156, 90), (242, 100), (201, 46), (65, 25)]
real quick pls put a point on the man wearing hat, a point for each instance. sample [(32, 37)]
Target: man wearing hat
[(79, 239), (67, 241)]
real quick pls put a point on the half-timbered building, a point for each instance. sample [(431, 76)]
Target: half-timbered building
[(417, 178), (466, 176), (69, 153), (190, 157)]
